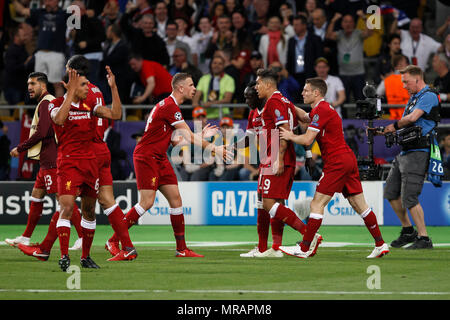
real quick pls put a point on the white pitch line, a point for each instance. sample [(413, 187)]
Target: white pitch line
[(372, 292)]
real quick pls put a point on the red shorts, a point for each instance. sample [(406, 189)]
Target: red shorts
[(276, 187), (104, 169), (78, 177), (340, 174), (153, 173), (47, 179)]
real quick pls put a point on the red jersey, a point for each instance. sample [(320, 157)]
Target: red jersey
[(76, 135), (95, 98), (158, 130), (277, 111), (326, 121), (163, 79)]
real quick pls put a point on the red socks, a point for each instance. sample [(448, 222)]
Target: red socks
[(131, 218), (314, 222), (117, 220), (63, 231), (277, 233), (52, 235), (370, 220), (263, 223), (88, 228), (287, 216), (177, 221), (34, 215)]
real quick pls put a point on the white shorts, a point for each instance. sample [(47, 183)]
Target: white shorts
[(52, 63)]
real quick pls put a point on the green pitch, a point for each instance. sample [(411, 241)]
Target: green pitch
[(340, 269)]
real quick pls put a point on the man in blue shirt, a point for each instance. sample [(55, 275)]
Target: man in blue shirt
[(405, 180)]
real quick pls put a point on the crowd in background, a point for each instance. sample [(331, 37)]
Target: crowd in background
[(222, 43)]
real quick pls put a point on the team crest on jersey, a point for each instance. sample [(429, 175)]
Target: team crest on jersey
[(315, 120), (50, 106), (278, 115), (178, 116), (161, 103)]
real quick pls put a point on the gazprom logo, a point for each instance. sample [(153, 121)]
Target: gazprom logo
[(336, 207), (159, 209)]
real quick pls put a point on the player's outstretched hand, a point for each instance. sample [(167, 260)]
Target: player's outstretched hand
[(74, 79), (286, 134), (223, 153), (14, 153), (209, 131), (110, 77)]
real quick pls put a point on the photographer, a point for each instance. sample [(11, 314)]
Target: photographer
[(405, 180)]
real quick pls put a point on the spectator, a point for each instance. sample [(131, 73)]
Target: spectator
[(161, 18), (445, 155), (256, 63), (154, 77), (319, 23), (385, 60), (273, 45), (181, 9), (87, 40), (242, 44), (442, 81), (287, 85), (183, 35), (335, 95), (112, 139), (310, 6), (5, 158), (136, 10), (418, 47), (350, 54), (173, 42), (286, 14), (216, 87), (226, 171), (201, 41), (372, 43), (303, 49), (392, 87), (181, 64), (111, 14), (230, 69), (444, 30), (18, 65), (115, 55), (52, 23), (222, 37), (232, 6), (144, 40), (217, 10)]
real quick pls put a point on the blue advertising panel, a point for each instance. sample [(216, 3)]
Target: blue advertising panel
[(435, 203)]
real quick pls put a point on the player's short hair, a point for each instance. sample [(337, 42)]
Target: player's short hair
[(413, 70), (40, 76), (268, 75), (79, 63), (318, 84), (179, 77)]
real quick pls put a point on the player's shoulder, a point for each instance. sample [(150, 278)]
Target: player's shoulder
[(55, 103)]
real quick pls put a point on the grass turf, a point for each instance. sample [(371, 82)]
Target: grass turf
[(334, 273)]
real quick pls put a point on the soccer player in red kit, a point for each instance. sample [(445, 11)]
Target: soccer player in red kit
[(340, 171), (153, 169), (40, 145), (77, 166), (254, 130), (278, 165), (103, 156)]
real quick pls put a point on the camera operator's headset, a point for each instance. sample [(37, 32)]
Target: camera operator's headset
[(434, 115)]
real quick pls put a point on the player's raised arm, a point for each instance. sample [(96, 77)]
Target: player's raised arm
[(302, 115), (60, 115), (305, 139), (187, 134), (114, 113)]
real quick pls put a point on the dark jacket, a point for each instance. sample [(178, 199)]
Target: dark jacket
[(313, 50), (92, 32)]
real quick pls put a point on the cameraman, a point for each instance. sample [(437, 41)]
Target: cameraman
[(405, 180)]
